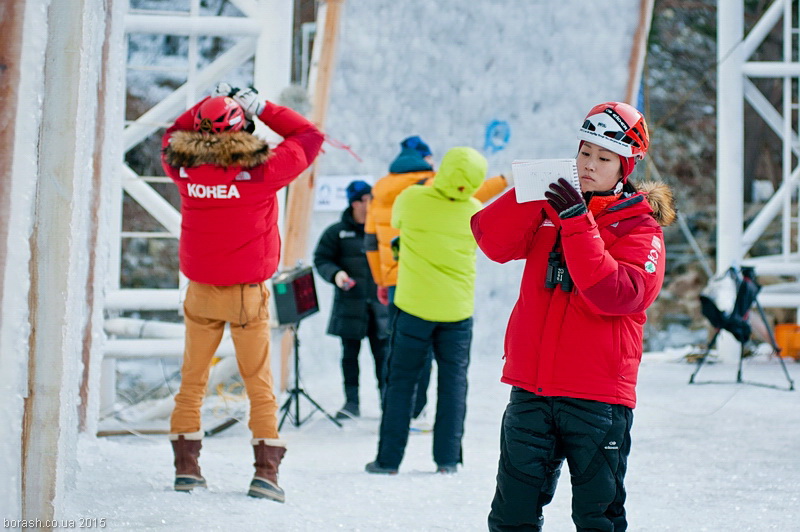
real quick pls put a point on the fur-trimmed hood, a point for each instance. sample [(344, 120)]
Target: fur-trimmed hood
[(659, 196), (188, 149)]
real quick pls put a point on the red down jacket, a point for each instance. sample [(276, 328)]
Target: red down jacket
[(228, 181), (586, 343)]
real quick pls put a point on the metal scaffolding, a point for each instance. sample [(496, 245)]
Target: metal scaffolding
[(734, 87)]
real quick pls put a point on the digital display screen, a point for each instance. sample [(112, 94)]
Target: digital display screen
[(305, 296), (295, 295)]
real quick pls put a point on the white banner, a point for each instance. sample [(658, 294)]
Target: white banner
[(330, 191)]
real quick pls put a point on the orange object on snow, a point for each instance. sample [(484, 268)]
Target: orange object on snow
[(787, 336)]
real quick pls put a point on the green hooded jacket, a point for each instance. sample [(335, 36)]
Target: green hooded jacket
[(436, 275)]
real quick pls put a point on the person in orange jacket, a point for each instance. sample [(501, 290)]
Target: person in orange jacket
[(413, 166)]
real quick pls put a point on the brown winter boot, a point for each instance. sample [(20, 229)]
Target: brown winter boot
[(187, 471), (269, 454)]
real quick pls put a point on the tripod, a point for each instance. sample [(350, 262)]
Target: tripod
[(297, 391), (736, 323)]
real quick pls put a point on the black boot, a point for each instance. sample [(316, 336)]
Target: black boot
[(350, 408)]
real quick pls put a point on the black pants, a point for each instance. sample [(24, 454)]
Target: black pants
[(421, 390), (538, 433), (412, 339), (351, 347)]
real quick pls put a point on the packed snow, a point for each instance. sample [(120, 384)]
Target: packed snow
[(706, 457)]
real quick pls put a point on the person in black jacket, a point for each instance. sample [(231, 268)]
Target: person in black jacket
[(340, 259)]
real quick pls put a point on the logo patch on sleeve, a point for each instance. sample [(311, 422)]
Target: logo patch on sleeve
[(653, 255), (656, 243)]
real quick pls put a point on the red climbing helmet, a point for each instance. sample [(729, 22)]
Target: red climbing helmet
[(218, 115), (618, 127)]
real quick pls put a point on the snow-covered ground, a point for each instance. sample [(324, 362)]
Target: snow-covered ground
[(711, 457)]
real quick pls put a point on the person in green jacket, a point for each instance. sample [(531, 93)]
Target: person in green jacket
[(435, 297)]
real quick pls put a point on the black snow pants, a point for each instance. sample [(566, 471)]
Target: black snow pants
[(412, 338), (351, 347), (537, 434), (421, 390)]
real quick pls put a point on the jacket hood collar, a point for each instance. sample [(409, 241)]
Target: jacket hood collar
[(652, 197), (659, 197), (597, 204), (347, 217), (239, 149), (409, 160), (461, 173)]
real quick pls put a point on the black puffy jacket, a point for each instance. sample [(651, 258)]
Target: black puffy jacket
[(341, 247)]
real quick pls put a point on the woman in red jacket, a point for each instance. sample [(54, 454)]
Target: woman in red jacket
[(594, 263), (229, 246)]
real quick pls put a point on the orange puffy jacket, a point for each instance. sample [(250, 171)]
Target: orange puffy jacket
[(378, 227)]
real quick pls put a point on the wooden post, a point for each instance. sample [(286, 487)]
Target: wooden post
[(93, 299), (12, 18), (11, 24), (301, 191), (638, 51), (59, 247)]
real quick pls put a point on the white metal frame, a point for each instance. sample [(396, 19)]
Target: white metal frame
[(264, 34), (734, 87)]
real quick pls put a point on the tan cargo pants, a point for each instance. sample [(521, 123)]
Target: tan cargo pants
[(207, 308)]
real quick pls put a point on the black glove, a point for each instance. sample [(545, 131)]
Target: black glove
[(566, 201)]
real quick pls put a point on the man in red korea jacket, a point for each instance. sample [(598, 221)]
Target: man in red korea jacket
[(594, 262), (229, 246)]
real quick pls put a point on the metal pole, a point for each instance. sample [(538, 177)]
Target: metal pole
[(730, 132), (771, 69), (765, 216), (147, 197), (730, 145), (157, 348), (192, 88), (761, 29), (273, 55), (786, 167), (767, 111), (143, 299), (192, 25)]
